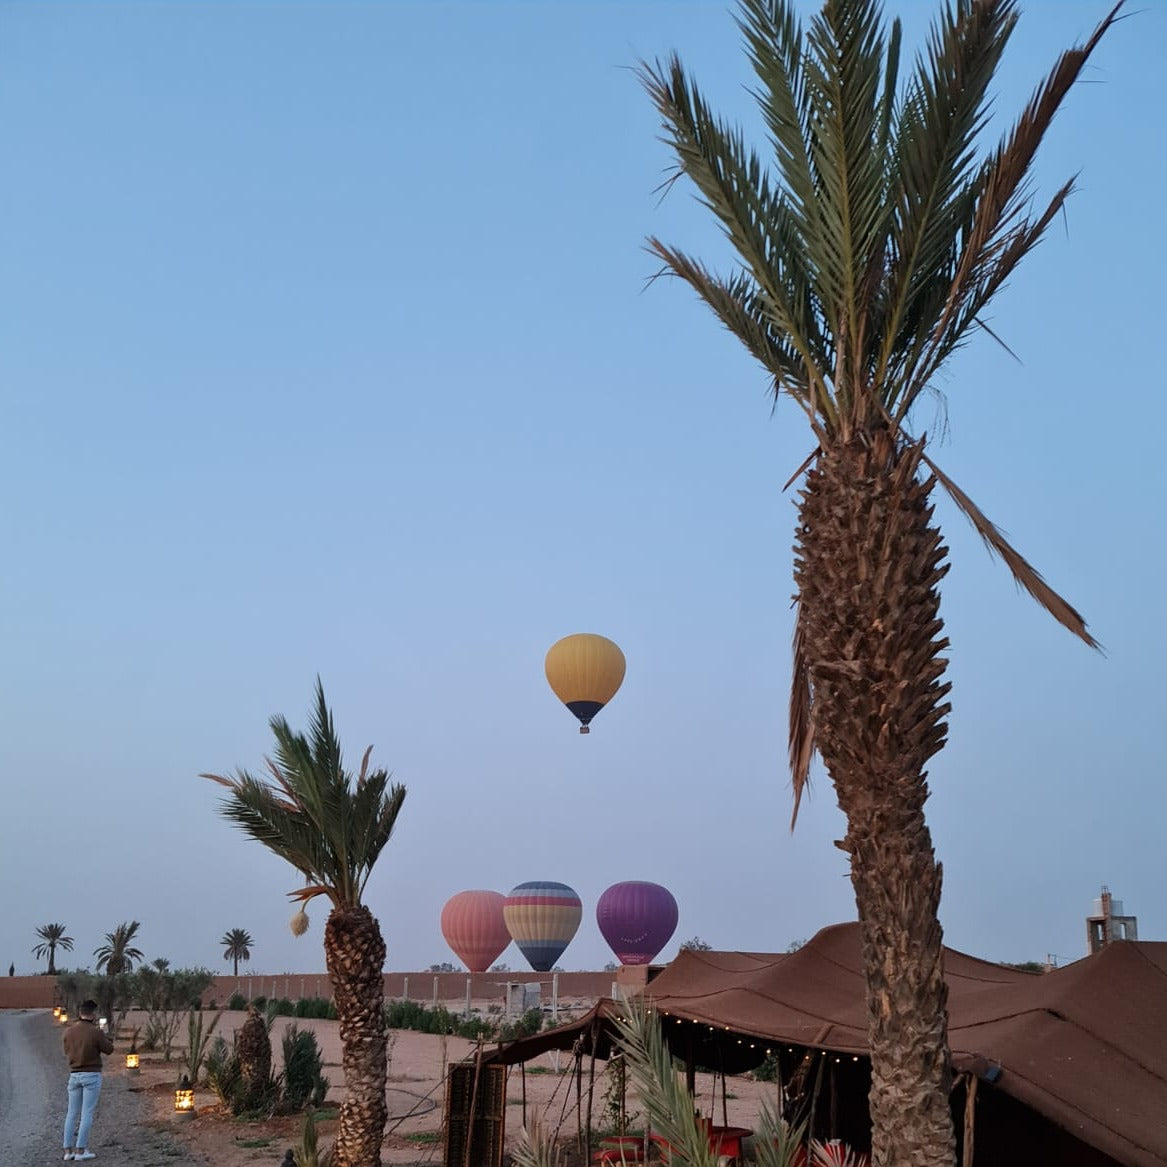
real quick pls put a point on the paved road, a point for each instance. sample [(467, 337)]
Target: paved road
[(32, 1088)]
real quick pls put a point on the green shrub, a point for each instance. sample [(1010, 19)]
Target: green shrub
[(524, 1026), (316, 1007), (304, 1083), (415, 1016), (237, 1002)]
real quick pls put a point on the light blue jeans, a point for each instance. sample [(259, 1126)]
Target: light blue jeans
[(84, 1091)]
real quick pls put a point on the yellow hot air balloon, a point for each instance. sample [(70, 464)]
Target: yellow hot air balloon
[(584, 671)]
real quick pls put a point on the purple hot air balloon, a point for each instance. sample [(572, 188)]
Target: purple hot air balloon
[(636, 919)]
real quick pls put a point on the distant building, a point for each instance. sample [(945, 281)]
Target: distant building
[(1108, 924)]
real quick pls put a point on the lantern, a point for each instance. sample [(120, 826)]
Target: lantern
[(133, 1063), (184, 1106), (56, 1012), (64, 1017)]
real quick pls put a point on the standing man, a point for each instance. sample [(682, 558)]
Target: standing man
[(85, 1042)]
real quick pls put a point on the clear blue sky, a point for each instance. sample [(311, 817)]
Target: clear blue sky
[(325, 347)]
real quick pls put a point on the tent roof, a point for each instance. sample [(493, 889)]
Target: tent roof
[(1085, 1045)]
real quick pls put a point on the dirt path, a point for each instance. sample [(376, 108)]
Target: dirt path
[(33, 1074)]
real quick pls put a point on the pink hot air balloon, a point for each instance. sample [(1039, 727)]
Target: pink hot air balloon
[(473, 925), (636, 919)]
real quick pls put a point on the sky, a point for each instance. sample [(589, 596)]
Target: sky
[(328, 348)]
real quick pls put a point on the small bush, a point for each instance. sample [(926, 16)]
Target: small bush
[(237, 1002), (315, 1007), (304, 1083), (524, 1026)]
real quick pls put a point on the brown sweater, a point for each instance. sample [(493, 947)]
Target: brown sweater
[(84, 1045)]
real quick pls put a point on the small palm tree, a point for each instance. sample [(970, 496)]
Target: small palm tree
[(52, 937), (332, 827), (117, 954), (237, 946), (869, 244)]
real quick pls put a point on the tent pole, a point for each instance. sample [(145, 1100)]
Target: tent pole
[(814, 1098), (970, 1119), (724, 1101), (579, 1098), (523, 1068), (591, 1095), (691, 1065)]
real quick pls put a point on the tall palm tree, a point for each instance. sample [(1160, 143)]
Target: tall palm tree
[(869, 245), (332, 827), (237, 946), (117, 954), (52, 937)]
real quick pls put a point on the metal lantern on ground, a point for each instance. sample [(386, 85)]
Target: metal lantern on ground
[(133, 1063), (56, 1012), (542, 917), (64, 1018), (184, 1106), (584, 671), (636, 919), (474, 927)]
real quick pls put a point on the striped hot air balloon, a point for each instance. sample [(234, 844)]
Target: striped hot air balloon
[(473, 925), (636, 919), (542, 917)]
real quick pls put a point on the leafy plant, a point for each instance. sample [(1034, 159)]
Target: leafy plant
[(167, 995), (303, 1080), (198, 1037), (308, 1153)]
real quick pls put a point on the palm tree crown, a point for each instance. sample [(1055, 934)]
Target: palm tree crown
[(117, 954), (237, 946), (328, 825), (52, 937), (871, 249)]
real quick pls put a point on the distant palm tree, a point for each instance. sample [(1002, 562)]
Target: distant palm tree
[(237, 946), (332, 826), (53, 937), (117, 955)]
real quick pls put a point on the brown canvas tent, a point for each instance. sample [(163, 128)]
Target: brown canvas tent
[(1069, 1066)]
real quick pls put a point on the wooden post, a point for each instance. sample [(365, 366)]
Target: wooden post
[(970, 1119), (523, 1069), (591, 1095), (473, 1102)]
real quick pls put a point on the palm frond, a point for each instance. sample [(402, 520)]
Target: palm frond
[(801, 728), (942, 113), (1001, 232), (1022, 571), (759, 222), (843, 65), (667, 1103)]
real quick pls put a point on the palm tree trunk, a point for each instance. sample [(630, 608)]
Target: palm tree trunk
[(355, 954), (867, 564)]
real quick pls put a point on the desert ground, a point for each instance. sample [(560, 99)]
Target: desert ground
[(415, 1096)]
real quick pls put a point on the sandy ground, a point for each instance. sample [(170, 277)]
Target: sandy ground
[(136, 1125)]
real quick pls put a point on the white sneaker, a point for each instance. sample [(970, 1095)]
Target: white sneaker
[(68, 1156), (84, 1155)]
